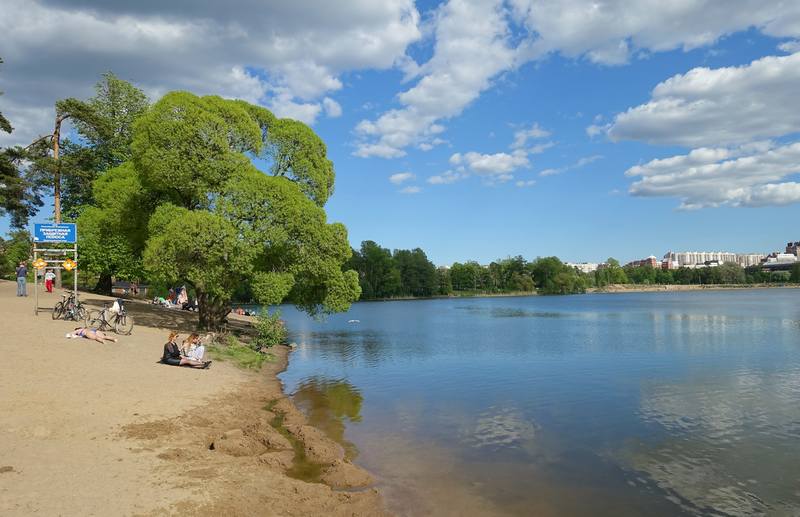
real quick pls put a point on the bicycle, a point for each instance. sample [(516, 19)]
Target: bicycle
[(70, 308), (120, 321)]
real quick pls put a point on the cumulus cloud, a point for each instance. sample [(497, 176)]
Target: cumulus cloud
[(522, 136), (491, 164), (790, 46), (286, 55), (448, 177), (752, 175), (610, 32), (723, 115), (525, 183), (722, 106), (401, 177), (472, 47), (332, 108), (410, 190)]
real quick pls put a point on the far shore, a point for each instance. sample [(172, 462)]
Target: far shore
[(103, 429), (613, 288), (660, 288)]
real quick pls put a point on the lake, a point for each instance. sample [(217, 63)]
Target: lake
[(674, 403)]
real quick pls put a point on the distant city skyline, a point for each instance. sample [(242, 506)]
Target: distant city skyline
[(476, 130)]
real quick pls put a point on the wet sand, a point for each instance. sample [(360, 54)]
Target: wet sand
[(91, 429)]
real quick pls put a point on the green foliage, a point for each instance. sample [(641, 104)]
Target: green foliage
[(239, 354), (417, 273), (5, 125), (186, 148), (112, 233), (554, 277), (794, 276), (271, 331), (298, 153), (13, 251), (219, 223)]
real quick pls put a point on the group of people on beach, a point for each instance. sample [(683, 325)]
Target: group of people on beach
[(178, 298), (190, 353)]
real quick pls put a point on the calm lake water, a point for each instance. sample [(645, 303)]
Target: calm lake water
[(603, 404)]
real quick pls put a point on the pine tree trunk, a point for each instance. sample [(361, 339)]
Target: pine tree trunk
[(213, 311)]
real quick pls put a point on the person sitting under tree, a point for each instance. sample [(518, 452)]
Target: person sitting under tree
[(172, 355)]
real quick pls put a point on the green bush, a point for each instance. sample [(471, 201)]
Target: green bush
[(270, 331), (241, 355)]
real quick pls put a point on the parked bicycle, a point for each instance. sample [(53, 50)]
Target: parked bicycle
[(112, 317), (70, 308)]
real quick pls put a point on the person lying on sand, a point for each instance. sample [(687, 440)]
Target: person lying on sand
[(172, 355), (88, 333)]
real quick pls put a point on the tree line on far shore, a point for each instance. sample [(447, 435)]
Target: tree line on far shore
[(385, 274)]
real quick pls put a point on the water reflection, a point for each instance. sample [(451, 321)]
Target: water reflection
[(655, 403), (731, 443), (328, 403)]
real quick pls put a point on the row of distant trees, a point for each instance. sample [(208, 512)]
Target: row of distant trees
[(384, 273)]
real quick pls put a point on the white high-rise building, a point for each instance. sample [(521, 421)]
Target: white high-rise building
[(694, 258)]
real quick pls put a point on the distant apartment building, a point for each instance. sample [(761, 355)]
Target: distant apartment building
[(793, 248), (692, 259), (584, 267), (651, 261)]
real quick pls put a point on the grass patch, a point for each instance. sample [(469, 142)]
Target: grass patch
[(239, 354)]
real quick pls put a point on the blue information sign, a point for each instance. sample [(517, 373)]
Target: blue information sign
[(65, 232)]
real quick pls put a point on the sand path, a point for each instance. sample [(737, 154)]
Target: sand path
[(63, 402)]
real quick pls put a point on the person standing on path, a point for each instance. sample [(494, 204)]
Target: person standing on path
[(49, 278), (22, 275)]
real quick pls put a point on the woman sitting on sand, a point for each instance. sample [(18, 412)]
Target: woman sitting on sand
[(88, 333), (172, 355)]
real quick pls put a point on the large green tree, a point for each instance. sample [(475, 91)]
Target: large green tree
[(215, 221)]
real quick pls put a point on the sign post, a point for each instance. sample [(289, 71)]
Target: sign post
[(52, 257)]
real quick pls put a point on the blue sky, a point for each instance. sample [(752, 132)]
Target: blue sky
[(483, 129)]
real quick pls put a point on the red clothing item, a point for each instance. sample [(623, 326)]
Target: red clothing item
[(48, 284)]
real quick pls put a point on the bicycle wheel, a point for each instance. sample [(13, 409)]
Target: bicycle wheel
[(96, 320), (81, 314), (123, 324), (58, 311)]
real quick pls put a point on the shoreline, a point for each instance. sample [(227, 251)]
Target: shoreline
[(660, 288), (105, 430)]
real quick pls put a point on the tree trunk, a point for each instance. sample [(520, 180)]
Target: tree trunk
[(213, 311), (103, 284), (57, 185)]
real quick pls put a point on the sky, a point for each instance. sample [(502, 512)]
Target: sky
[(480, 129)]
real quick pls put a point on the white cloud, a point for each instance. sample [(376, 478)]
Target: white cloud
[(492, 164), (790, 46), (753, 175), (472, 47), (286, 55), (332, 108), (448, 177), (525, 183), (401, 177), (582, 162), (522, 136), (610, 32), (713, 107), (411, 190), (724, 114)]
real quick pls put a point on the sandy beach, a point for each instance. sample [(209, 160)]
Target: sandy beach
[(91, 429)]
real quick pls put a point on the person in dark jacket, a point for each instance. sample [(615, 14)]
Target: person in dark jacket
[(22, 274), (172, 355)]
